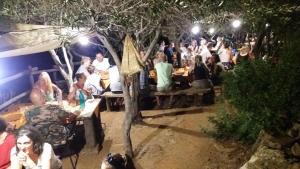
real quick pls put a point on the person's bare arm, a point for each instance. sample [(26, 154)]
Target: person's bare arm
[(36, 97), (72, 93), (57, 90)]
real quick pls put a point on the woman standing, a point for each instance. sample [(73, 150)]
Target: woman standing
[(31, 152), (43, 90)]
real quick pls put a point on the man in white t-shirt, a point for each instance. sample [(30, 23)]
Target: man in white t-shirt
[(114, 78), (101, 64), (205, 53), (93, 82)]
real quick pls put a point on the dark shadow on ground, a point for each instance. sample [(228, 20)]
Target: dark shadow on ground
[(160, 128), (174, 113)]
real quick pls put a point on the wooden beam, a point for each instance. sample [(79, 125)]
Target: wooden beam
[(14, 77), (12, 100), (48, 71)]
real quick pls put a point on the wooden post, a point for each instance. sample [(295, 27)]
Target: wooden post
[(60, 67), (89, 132), (70, 70), (31, 76), (107, 100), (54, 74)]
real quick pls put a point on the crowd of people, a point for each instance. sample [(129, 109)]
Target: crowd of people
[(28, 149), (202, 61)]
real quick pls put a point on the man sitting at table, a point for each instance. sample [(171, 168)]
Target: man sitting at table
[(93, 82), (101, 64), (164, 74), (84, 64), (114, 77)]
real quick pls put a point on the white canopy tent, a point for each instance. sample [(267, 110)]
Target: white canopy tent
[(23, 39)]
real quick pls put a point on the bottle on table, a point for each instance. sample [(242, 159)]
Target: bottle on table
[(81, 100)]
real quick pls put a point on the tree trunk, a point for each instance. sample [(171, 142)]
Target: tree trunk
[(127, 99), (129, 110), (57, 61), (137, 116), (131, 102)]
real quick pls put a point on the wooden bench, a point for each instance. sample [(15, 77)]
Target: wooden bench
[(108, 95), (189, 92), (218, 90)]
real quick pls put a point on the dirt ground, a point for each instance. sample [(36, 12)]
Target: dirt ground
[(168, 139)]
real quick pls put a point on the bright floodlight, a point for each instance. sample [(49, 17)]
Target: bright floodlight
[(236, 23), (211, 30), (267, 25), (83, 40), (196, 29)]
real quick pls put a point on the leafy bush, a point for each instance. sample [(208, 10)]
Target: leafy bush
[(265, 95)]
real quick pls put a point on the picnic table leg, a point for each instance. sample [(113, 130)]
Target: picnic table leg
[(107, 103), (171, 101), (157, 100), (89, 132)]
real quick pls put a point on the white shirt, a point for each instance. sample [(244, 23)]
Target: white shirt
[(205, 53), (114, 78), (184, 52), (47, 154), (101, 66), (83, 69), (93, 82), (224, 55)]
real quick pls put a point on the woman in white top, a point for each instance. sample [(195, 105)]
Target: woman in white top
[(31, 152)]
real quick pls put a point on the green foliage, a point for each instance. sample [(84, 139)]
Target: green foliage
[(266, 95), (238, 126)]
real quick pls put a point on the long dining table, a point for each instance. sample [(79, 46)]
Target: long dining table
[(86, 115)]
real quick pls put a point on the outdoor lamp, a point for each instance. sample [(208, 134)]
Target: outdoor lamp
[(196, 29), (211, 30), (83, 40), (267, 25), (236, 23)]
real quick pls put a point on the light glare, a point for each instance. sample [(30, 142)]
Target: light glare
[(83, 40), (196, 29), (211, 30), (236, 23)]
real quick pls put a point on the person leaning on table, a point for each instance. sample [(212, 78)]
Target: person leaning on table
[(31, 152), (43, 90)]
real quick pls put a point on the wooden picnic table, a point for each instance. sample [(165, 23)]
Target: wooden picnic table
[(86, 115), (17, 116)]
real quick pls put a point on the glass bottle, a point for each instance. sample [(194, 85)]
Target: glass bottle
[(81, 100)]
